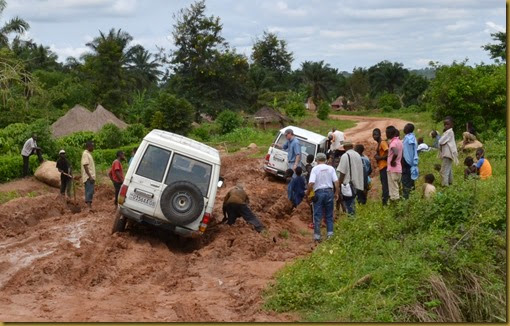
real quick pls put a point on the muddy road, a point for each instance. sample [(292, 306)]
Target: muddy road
[(61, 266)]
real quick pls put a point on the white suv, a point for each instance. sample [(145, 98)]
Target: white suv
[(171, 183), (275, 162)]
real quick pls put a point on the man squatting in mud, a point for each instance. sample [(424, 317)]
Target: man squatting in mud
[(235, 205)]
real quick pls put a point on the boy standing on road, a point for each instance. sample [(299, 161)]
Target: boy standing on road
[(394, 163), (447, 152), (116, 174), (381, 157), (88, 173)]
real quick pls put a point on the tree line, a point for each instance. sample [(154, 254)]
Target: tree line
[(205, 75)]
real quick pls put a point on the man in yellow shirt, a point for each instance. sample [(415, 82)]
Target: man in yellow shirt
[(381, 157), (88, 173)]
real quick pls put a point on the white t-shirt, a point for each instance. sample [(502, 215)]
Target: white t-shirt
[(323, 176), (29, 146), (423, 148), (87, 159), (356, 168), (338, 140)]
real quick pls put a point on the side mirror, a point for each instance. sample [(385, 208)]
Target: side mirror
[(221, 181)]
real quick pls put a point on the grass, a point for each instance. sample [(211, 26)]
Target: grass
[(8, 195), (439, 260)]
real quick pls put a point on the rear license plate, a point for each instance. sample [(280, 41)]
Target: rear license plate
[(279, 159), (143, 200)]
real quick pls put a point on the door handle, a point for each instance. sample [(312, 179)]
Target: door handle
[(155, 185)]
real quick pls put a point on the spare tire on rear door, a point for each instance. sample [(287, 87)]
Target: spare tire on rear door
[(182, 202)]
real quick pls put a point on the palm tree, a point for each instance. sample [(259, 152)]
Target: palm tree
[(142, 67), (318, 77), (16, 25), (387, 76), (119, 39)]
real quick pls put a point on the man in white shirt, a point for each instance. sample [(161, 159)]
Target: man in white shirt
[(323, 181), (351, 170), (447, 152), (30, 148), (337, 142)]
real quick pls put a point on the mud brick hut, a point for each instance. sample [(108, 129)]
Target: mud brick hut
[(81, 119)]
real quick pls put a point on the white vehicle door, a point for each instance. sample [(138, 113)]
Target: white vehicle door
[(278, 157), (147, 181)]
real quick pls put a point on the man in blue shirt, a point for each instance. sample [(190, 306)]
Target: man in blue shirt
[(293, 149), (409, 160)]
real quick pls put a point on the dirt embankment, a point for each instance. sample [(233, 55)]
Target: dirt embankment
[(60, 266)]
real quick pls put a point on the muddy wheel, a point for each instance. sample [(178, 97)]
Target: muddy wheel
[(119, 224), (182, 203)]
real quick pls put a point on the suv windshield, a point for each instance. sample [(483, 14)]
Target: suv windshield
[(187, 169), (306, 147)]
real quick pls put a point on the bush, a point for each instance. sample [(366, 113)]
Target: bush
[(134, 133), (110, 136), (13, 137), (228, 121), (176, 114), (11, 166), (77, 139), (202, 133), (323, 111), (295, 109), (388, 102), (466, 93)]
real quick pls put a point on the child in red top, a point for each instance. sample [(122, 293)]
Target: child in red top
[(116, 174)]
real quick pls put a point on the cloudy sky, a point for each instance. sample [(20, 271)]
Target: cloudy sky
[(346, 34)]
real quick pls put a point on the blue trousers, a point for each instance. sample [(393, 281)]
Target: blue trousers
[(324, 202)]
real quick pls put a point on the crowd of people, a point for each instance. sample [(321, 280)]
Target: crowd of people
[(341, 176), (338, 178)]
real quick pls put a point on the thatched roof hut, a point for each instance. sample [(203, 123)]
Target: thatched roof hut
[(267, 115), (81, 119)]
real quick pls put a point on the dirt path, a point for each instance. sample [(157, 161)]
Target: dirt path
[(59, 266)]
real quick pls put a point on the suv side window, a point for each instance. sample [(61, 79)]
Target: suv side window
[(187, 169), (153, 163)]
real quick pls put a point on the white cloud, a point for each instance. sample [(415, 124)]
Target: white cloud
[(354, 46), (459, 25), (68, 51), (495, 27), (282, 8)]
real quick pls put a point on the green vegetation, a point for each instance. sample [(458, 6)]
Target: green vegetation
[(439, 260)]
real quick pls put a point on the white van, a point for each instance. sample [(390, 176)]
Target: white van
[(171, 183), (311, 143)]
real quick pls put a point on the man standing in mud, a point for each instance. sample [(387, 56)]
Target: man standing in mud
[(322, 180), (235, 205), (293, 149), (29, 148), (88, 173)]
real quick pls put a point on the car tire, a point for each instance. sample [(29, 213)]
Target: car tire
[(182, 202), (119, 223)]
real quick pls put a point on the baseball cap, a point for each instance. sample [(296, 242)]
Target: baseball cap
[(348, 143), (62, 151), (289, 131), (321, 157)]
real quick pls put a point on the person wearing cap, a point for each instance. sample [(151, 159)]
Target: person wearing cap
[(322, 180), (351, 176), (66, 177), (293, 149), (337, 142)]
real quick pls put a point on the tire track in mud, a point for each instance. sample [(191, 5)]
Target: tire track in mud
[(60, 266)]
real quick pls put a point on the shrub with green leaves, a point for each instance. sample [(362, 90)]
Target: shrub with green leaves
[(228, 121), (295, 109), (388, 102), (323, 111), (110, 136)]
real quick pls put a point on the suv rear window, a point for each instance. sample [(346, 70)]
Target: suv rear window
[(187, 169), (153, 163), (306, 147)]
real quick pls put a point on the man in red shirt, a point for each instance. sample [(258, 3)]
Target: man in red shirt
[(116, 174)]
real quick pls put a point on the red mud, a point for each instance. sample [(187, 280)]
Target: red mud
[(60, 266)]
